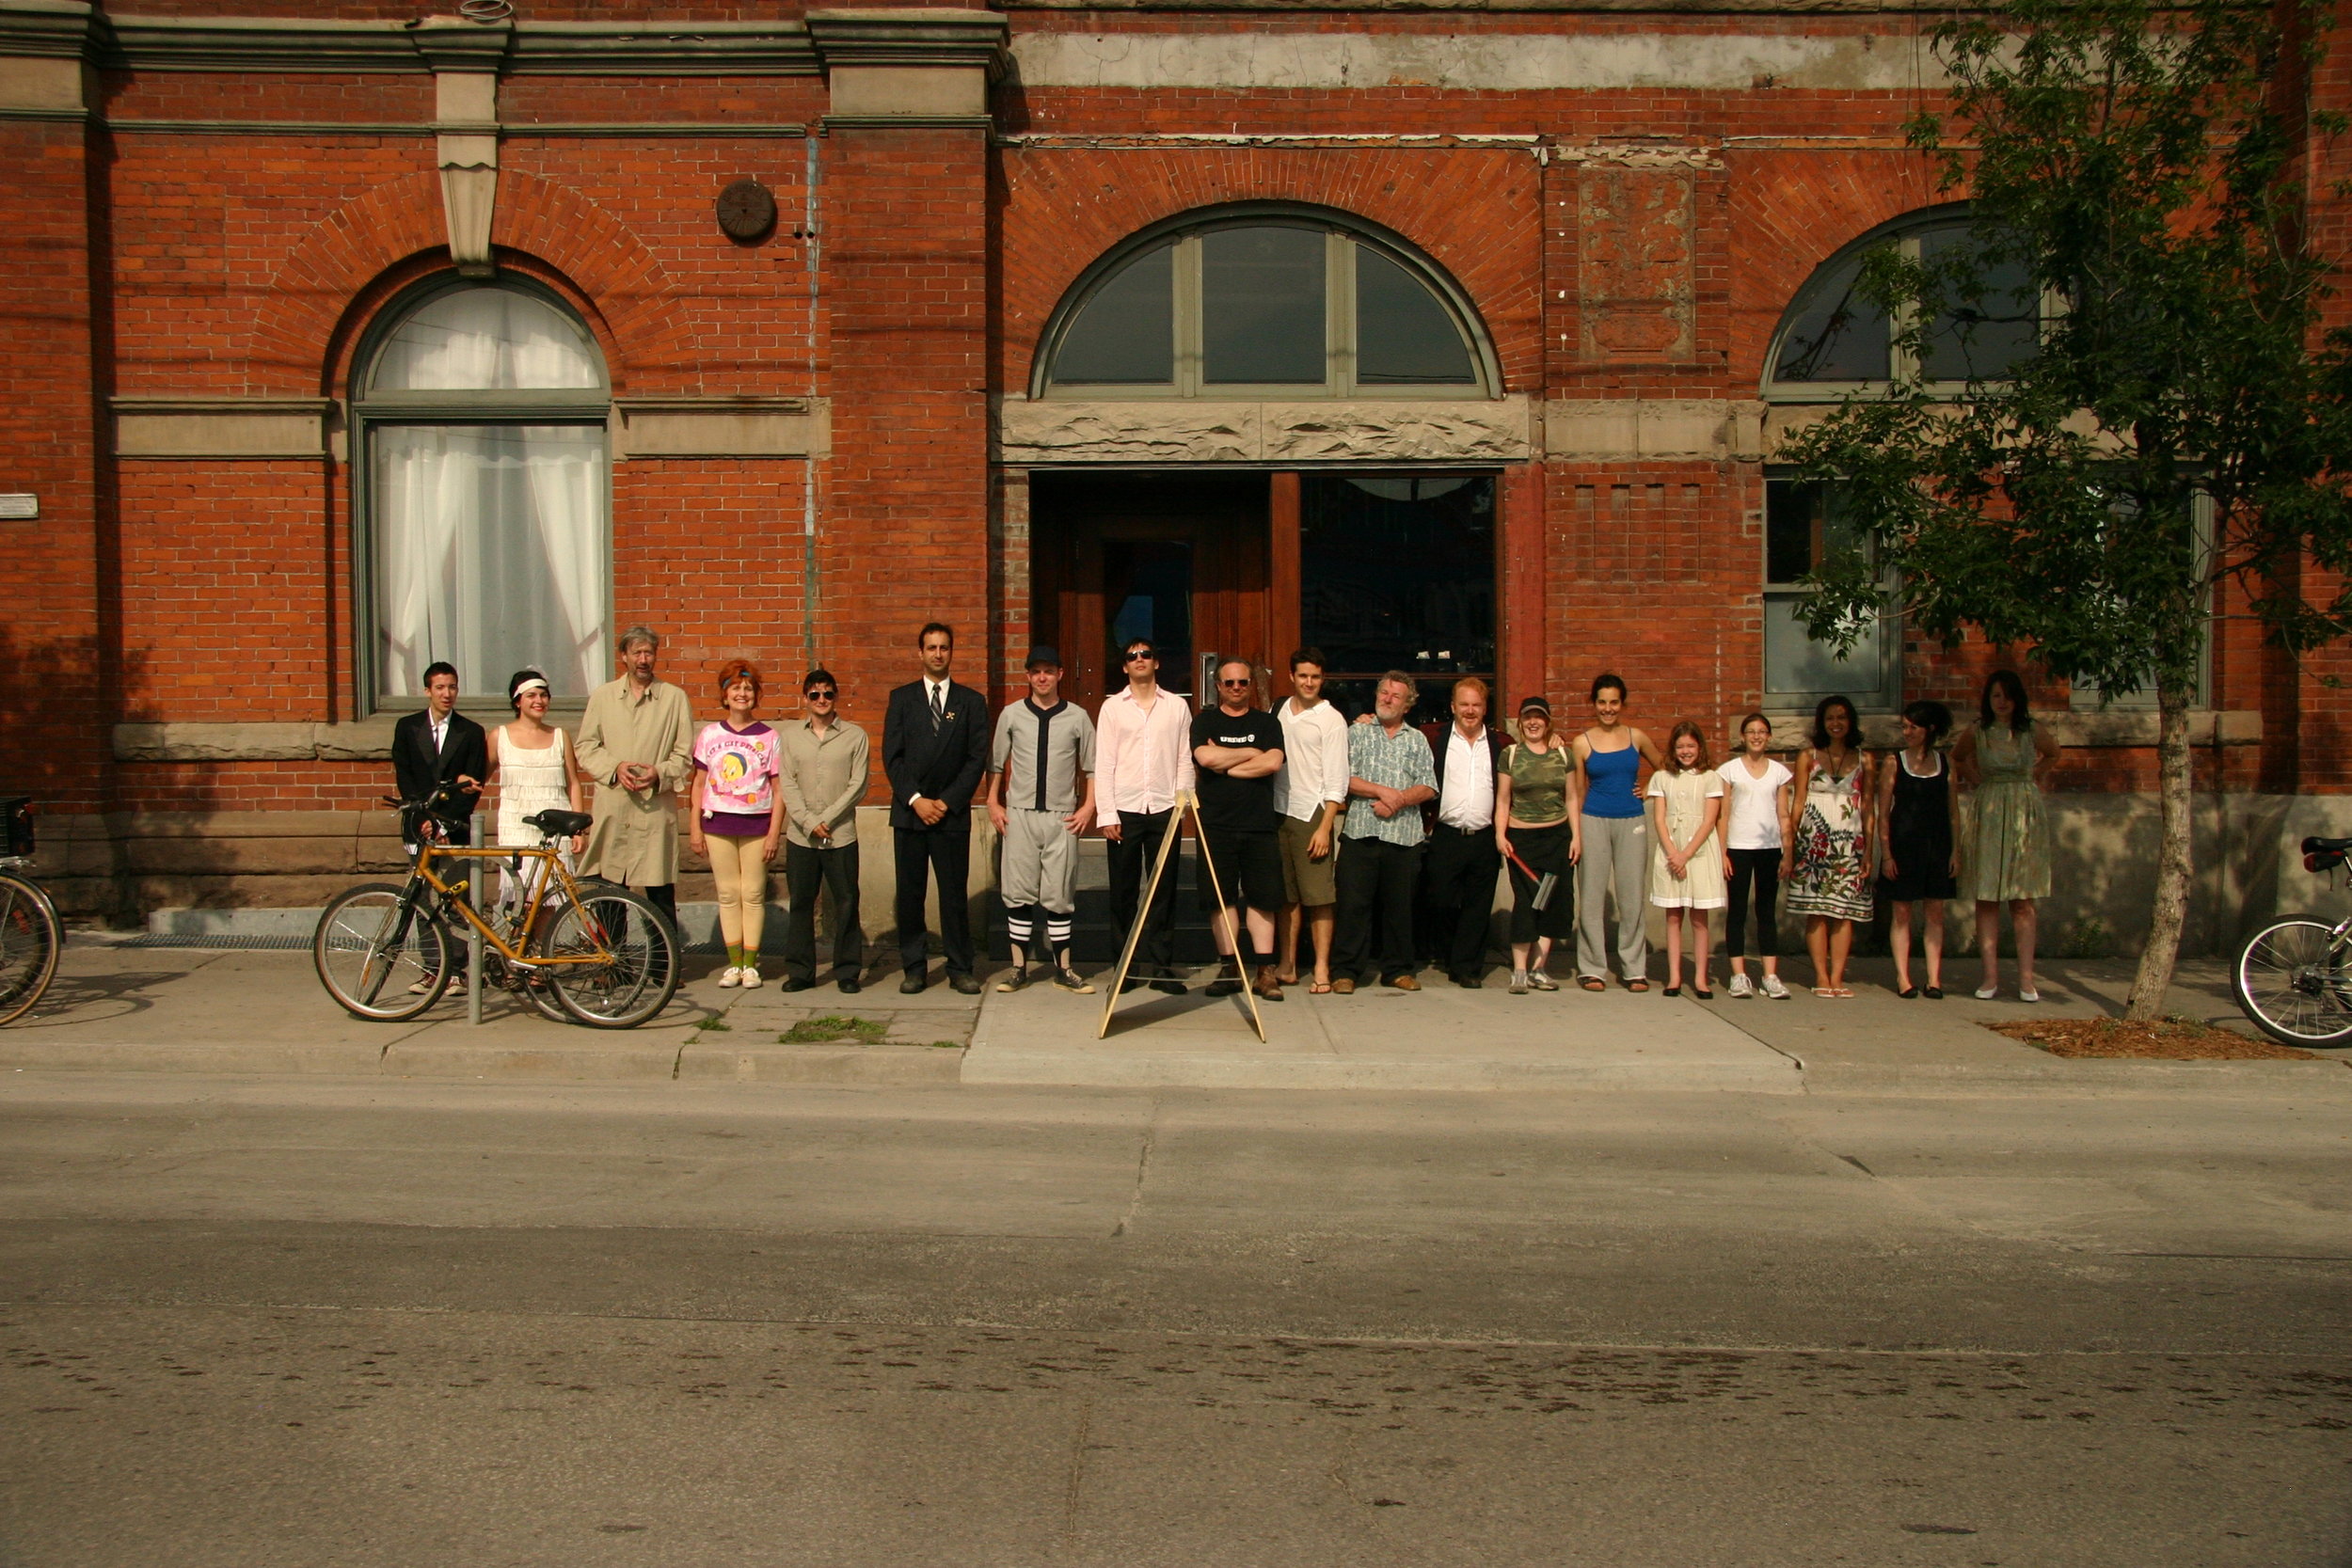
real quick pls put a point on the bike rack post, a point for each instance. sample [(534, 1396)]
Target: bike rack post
[(473, 932)]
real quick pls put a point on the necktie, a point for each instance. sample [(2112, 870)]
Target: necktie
[(939, 707)]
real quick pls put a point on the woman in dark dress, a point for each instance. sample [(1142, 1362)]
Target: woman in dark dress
[(1921, 863)]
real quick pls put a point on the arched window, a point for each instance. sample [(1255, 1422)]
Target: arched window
[(1833, 341), (1264, 303), (479, 412)]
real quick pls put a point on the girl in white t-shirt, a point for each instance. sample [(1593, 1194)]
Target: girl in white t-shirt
[(1757, 799)]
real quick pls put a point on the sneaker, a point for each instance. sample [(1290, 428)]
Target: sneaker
[(751, 977), (1742, 985), (1019, 977), (1071, 980), (1518, 982), (424, 985), (1774, 988), (733, 977), (1539, 980)]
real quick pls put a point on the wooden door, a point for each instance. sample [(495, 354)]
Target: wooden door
[(1103, 545)]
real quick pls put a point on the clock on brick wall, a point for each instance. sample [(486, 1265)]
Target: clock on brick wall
[(747, 211)]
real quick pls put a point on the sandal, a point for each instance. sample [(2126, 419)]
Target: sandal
[(1319, 988), (1637, 985), (1841, 991), (1589, 983), (1823, 990)]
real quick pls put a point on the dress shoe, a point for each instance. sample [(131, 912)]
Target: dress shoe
[(1133, 982), (793, 982), (913, 985), (847, 985), (1469, 982), (965, 985), (1403, 982), (1168, 988), (1344, 986), (1225, 987)]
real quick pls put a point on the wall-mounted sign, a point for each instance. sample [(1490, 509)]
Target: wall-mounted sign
[(19, 508)]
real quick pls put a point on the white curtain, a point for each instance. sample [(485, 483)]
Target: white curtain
[(484, 340), (491, 550)]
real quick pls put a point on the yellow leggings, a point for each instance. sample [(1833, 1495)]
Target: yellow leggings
[(735, 865)]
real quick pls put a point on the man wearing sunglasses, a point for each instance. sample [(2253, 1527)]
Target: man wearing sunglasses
[(1238, 749), (823, 777), (1143, 760)]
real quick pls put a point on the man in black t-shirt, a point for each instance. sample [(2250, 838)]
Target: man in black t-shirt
[(1238, 750)]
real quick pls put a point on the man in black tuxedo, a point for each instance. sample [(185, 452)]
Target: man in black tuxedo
[(935, 749), (441, 746)]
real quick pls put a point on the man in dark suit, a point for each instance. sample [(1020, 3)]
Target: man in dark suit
[(437, 747), (935, 749), (441, 746), (1458, 878)]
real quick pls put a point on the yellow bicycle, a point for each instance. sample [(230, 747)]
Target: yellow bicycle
[(587, 952)]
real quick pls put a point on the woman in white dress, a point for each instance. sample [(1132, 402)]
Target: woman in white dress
[(532, 766)]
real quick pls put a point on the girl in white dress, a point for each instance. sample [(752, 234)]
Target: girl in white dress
[(533, 764), (1686, 803)]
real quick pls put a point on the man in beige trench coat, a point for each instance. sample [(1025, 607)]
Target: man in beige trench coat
[(636, 741)]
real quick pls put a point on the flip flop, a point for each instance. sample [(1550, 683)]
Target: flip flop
[(1319, 988)]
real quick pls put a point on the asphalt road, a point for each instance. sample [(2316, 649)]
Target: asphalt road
[(360, 1322)]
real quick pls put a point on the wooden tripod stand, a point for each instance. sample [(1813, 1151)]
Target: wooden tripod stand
[(1187, 810)]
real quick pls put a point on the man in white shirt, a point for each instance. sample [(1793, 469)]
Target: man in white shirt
[(1458, 883), (1312, 792), (1143, 760)]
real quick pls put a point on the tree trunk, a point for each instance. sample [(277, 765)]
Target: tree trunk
[(2170, 908)]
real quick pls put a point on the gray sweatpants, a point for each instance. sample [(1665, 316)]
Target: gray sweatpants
[(1041, 861), (1616, 859)]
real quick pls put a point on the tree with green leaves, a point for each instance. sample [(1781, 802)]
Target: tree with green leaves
[(2135, 182)]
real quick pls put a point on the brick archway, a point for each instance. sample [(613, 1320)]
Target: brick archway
[(357, 255)]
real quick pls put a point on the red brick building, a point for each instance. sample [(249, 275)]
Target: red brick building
[(343, 336)]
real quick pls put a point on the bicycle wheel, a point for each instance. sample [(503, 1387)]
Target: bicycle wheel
[(2294, 979), (31, 937), (380, 955), (639, 977)]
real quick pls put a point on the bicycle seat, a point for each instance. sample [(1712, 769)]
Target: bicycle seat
[(2326, 846), (559, 824)]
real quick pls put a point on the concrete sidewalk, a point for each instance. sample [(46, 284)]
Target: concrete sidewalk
[(119, 1007)]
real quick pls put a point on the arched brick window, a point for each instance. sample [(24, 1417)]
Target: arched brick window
[(1833, 341), (484, 490), (1264, 301)]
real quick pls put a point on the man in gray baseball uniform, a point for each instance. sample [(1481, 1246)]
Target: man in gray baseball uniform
[(1040, 797)]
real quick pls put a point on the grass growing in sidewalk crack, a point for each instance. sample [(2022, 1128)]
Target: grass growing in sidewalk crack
[(833, 1026), (716, 1025)]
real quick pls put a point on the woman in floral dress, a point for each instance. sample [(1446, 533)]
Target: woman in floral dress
[(2003, 762), (1830, 880)]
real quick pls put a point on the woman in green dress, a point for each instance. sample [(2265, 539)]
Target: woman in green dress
[(2003, 762)]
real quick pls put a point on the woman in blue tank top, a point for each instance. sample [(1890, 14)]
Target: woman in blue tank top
[(1616, 842)]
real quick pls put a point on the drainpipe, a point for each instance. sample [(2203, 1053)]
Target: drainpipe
[(809, 467)]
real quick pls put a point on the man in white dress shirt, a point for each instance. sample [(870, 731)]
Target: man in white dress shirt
[(1458, 880), (1311, 793), (1143, 760)]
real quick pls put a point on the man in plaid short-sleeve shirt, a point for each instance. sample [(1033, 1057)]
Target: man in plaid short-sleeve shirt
[(1391, 772)]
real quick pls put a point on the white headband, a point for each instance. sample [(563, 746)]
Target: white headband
[(534, 684)]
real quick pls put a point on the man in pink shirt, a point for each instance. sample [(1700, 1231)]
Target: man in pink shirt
[(1143, 760)]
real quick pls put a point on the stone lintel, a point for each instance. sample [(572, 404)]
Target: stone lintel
[(222, 427), (722, 427), (1214, 429)]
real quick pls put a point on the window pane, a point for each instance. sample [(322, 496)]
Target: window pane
[(488, 340), (491, 544), (1798, 668), (1403, 334), (1398, 572), (1124, 336), (1804, 524), (1837, 335), (1261, 306), (1984, 337)]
